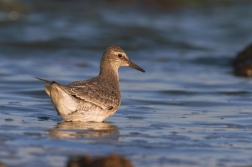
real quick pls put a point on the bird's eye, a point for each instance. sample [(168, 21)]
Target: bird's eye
[(120, 55)]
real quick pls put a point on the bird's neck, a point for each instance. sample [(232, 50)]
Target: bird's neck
[(109, 73)]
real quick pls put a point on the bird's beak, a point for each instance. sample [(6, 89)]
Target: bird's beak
[(133, 65)]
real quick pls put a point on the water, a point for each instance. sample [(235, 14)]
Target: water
[(188, 109)]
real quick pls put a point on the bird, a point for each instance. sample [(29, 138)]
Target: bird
[(95, 99)]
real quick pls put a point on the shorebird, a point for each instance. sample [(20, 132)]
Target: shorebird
[(94, 99)]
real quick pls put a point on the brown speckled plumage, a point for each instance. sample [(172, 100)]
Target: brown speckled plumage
[(94, 99)]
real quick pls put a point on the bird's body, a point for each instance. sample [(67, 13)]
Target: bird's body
[(94, 99)]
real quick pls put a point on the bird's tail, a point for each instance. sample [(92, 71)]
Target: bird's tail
[(46, 81)]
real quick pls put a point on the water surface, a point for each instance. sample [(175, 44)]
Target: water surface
[(188, 109)]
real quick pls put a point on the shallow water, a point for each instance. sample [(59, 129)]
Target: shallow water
[(188, 109)]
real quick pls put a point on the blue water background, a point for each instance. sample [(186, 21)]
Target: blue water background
[(188, 109)]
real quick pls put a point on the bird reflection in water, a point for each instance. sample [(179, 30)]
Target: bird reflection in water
[(92, 130)]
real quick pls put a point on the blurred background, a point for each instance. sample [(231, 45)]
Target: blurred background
[(188, 109)]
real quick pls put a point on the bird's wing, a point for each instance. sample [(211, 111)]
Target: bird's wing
[(91, 92), (94, 94), (78, 83), (46, 81)]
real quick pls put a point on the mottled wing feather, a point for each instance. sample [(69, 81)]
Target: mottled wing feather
[(78, 83), (93, 94)]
